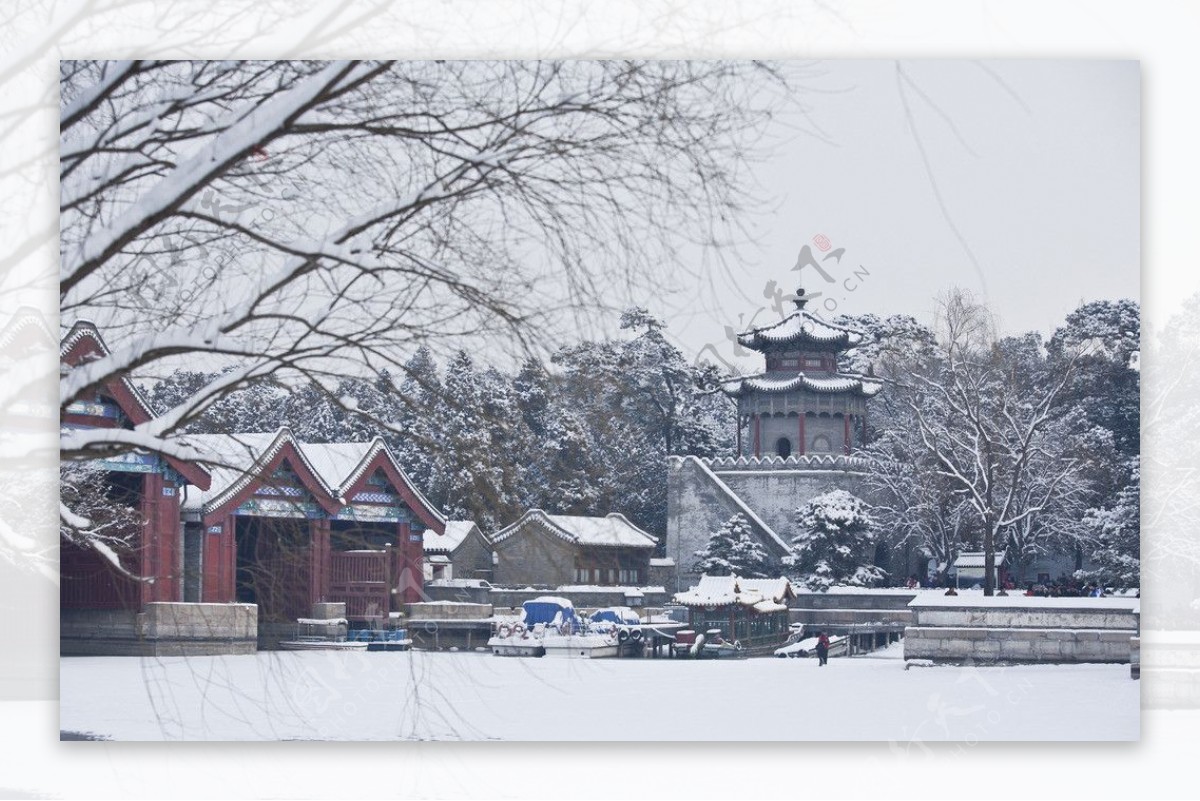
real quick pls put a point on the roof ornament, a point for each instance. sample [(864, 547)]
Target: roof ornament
[(802, 299)]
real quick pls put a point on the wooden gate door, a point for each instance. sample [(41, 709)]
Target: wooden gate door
[(361, 579)]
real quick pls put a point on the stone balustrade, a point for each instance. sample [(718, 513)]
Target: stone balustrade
[(1021, 629)]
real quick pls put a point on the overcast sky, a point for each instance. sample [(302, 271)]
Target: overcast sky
[(1021, 183)]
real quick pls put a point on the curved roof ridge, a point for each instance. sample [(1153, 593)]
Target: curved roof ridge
[(804, 325)]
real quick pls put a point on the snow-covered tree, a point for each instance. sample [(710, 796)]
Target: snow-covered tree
[(1103, 338), (913, 501), (732, 550), (92, 515), (1117, 528), (983, 417), (307, 221), (835, 542)]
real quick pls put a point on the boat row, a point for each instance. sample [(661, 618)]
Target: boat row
[(550, 626)]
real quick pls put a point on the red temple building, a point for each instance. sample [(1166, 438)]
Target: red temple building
[(150, 484), (286, 524), (262, 523)]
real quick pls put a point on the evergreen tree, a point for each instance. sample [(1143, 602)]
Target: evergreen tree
[(732, 550), (835, 542), (1117, 529)]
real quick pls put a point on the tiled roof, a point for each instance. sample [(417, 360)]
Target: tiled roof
[(613, 530), (797, 328), (764, 594), (456, 532), (239, 459), (841, 382)]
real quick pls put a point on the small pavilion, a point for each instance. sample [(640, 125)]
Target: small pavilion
[(802, 403)]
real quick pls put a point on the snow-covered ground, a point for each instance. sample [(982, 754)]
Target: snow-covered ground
[(470, 696)]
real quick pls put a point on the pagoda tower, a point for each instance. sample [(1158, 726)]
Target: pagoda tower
[(801, 405)]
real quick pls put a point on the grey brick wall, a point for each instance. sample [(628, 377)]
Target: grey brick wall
[(533, 555), (473, 558)]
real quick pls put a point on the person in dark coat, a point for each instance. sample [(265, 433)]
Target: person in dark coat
[(822, 648)]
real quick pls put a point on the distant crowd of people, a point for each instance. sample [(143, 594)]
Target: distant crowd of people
[(1062, 587), (1065, 587)]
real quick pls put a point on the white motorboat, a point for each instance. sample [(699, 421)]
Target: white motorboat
[(546, 614), (585, 645)]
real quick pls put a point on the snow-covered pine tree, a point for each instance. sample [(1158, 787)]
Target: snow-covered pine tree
[(732, 550), (835, 542), (1117, 529)]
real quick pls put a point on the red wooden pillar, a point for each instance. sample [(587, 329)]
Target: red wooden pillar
[(228, 559), (409, 581), (846, 433), (149, 546), (757, 435), (319, 561), (168, 579), (803, 441), (219, 559)]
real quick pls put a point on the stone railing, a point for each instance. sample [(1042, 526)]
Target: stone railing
[(825, 461), (1020, 629)]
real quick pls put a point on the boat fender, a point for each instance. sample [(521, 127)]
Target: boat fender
[(636, 634), (519, 628), (622, 635), (503, 630)]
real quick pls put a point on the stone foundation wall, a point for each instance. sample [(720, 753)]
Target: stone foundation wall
[(946, 644), (815, 618), (1082, 618), (447, 611), (163, 629), (776, 494), (885, 599), (1020, 629)]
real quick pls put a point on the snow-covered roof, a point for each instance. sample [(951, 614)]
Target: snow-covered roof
[(86, 330), (765, 595), (841, 382), (975, 559), (799, 327), (239, 459), (610, 531), (456, 532), (79, 349)]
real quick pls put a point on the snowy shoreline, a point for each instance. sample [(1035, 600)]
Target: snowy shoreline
[(469, 696)]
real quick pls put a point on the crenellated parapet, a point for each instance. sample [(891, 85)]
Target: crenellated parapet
[(814, 461)]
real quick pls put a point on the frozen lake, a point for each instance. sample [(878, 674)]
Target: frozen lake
[(470, 696)]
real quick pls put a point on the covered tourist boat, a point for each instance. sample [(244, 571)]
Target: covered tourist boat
[(621, 622), (739, 617), (547, 615)]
